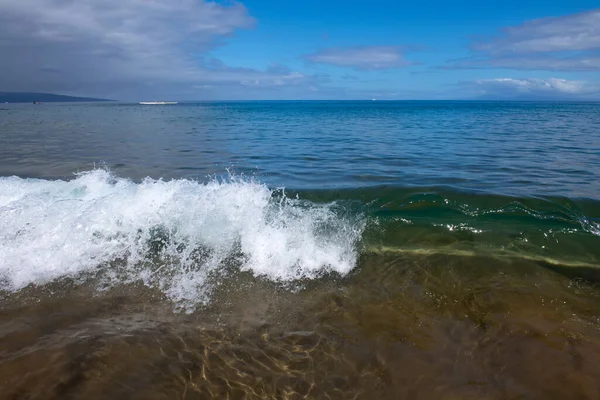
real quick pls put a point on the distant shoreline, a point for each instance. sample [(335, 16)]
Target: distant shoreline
[(30, 97)]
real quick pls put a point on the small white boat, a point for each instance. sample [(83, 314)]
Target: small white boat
[(162, 103)]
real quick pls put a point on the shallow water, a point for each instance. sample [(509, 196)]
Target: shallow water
[(397, 327), (417, 250)]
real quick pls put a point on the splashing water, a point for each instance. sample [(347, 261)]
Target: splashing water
[(170, 234)]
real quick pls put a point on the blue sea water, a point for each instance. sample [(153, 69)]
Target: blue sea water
[(502, 178), (300, 249), (514, 148)]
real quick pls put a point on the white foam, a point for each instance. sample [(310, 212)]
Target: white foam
[(53, 229)]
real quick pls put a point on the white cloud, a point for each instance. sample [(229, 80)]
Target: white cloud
[(533, 88), (361, 58), (565, 43), (203, 86), (127, 24), (547, 63), (554, 34), (122, 48)]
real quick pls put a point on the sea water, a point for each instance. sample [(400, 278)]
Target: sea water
[(300, 250)]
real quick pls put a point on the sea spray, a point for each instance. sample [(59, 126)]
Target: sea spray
[(169, 234)]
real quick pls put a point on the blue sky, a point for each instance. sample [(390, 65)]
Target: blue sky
[(193, 49)]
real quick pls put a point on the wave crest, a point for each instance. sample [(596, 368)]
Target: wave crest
[(172, 234)]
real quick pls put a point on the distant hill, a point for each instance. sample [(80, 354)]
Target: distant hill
[(25, 97)]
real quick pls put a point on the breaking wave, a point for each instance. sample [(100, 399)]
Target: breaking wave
[(168, 234)]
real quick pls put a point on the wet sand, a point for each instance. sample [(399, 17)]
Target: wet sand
[(398, 327)]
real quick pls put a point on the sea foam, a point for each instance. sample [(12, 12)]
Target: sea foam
[(169, 234)]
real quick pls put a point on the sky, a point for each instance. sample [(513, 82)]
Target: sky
[(282, 49)]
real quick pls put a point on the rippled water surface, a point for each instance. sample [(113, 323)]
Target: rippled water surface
[(401, 250), (505, 147)]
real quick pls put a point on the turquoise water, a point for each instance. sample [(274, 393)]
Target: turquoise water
[(300, 249)]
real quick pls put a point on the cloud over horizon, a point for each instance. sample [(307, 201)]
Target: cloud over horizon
[(533, 88), (116, 47), (362, 58), (217, 50), (565, 43)]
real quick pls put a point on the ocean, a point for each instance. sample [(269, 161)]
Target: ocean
[(300, 249)]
